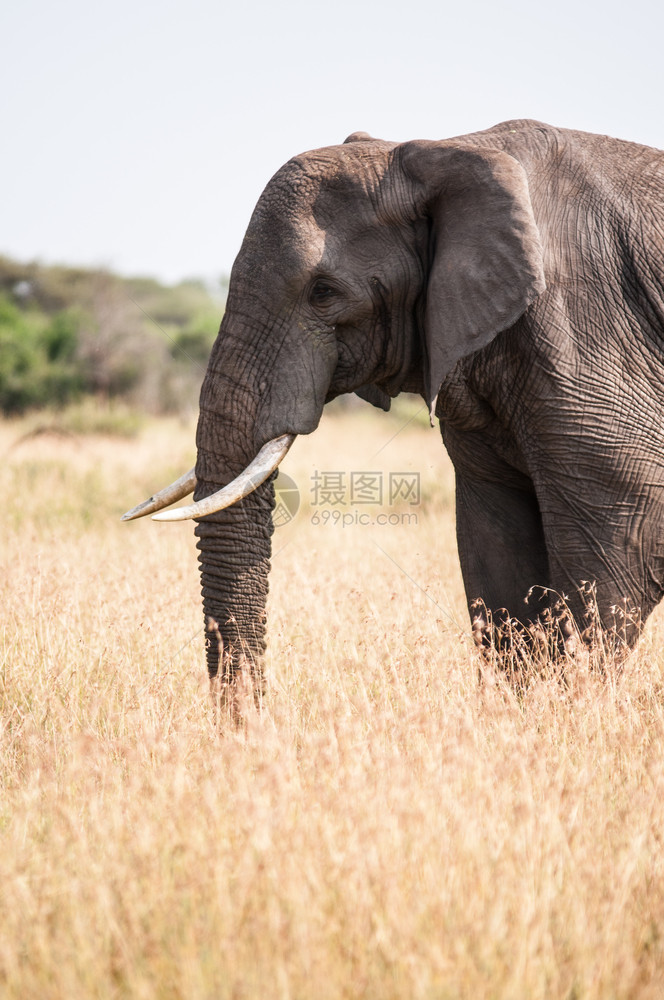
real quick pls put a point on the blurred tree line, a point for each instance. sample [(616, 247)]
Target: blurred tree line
[(70, 332)]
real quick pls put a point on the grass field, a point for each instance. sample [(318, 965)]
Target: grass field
[(386, 828)]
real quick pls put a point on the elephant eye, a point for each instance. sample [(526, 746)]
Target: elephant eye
[(321, 292)]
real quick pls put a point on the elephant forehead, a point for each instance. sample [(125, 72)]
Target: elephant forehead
[(322, 184), (312, 197), (275, 243)]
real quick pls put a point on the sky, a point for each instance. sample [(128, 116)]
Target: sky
[(138, 135)]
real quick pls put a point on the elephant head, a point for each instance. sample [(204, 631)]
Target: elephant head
[(369, 267)]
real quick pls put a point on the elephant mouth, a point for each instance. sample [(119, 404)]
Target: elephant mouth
[(262, 466)]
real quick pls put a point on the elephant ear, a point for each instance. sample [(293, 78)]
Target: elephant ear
[(486, 266)]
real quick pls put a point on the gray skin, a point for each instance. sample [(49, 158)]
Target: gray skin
[(514, 278)]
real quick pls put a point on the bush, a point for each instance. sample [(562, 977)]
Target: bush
[(65, 332), (37, 366)]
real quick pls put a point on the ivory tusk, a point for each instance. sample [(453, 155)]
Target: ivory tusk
[(266, 461), (182, 487)]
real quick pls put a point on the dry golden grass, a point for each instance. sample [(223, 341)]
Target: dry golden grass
[(385, 828)]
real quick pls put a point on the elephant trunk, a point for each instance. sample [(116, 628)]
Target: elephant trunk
[(234, 543), (234, 555), (252, 401)]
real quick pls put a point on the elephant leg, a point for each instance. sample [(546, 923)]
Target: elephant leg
[(502, 552), (607, 558)]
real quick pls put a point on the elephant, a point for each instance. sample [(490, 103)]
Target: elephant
[(512, 277)]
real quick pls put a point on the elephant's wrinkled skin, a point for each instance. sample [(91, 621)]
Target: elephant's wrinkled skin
[(514, 278)]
